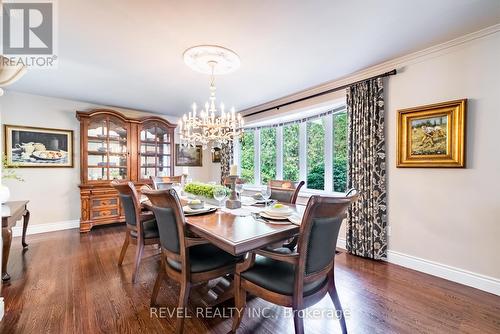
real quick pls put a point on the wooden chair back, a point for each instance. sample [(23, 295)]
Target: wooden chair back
[(318, 235), (285, 191), (129, 199), (171, 225)]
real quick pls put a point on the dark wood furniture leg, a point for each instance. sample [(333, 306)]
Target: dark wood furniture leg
[(26, 219), (7, 241)]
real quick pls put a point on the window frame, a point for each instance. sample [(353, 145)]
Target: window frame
[(329, 139)]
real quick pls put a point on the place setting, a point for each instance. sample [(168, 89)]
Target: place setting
[(196, 207), (278, 214)]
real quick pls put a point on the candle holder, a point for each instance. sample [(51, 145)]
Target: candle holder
[(233, 202)]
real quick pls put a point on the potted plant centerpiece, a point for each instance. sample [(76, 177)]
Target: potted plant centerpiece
[(202, 191)]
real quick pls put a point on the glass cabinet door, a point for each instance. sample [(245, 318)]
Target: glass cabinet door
[(154, 150), (107, 149)]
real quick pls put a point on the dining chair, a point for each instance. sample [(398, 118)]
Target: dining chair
[(141, 226), (186, 259), (165, 182), (299, 279), (285, 191)]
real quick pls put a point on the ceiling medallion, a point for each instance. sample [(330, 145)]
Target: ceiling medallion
[(210, 124), (198, 58)]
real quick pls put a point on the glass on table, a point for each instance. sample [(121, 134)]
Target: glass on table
[(220, 193), (266, 193), (239, 189)]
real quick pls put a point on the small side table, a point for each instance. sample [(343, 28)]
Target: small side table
[(11, 213)]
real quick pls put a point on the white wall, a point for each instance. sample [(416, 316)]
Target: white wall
[(450, 216), (53, 192)]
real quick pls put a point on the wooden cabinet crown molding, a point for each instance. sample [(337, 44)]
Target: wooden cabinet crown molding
[(103, 111)]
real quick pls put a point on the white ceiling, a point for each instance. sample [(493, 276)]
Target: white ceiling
[(128, 53)]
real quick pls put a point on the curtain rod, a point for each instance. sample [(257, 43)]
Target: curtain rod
[(386, 74)]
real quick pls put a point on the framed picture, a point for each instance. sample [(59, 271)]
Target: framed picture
[(432, 136), (188, 156), (216, 154), (27, 146)]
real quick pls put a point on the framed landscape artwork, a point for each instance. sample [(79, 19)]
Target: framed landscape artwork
[(188, 156), (432, 136), (27, 146)]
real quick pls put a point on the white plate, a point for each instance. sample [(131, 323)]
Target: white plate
[(44, 155), (279, 213), (275, 222), (281, 218), (190, 211)]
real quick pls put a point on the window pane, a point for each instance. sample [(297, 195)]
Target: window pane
[(247, 152), (291, 152), (340, 152), (267, 154), (316, 154)]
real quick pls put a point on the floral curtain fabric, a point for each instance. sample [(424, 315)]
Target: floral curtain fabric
[(367, 218), (226, 155)]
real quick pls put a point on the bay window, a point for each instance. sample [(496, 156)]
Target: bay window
[(313, 149)]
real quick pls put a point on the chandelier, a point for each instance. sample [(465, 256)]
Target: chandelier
[(211, 124)]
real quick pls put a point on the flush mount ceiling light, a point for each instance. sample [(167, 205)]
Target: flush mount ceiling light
[(210, 124), (9, 73)]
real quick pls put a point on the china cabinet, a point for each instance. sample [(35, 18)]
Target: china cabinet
[(116, 147)]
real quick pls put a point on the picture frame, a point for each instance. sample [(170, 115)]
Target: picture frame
[(216, 154), (36, 147), (432, 136), (188, 156)]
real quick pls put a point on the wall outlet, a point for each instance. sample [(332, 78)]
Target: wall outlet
[(1, 308), (389, 230)]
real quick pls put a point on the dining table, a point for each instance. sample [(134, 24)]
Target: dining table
[(237, 231)]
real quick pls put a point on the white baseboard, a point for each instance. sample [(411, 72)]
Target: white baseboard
[(17, 231), (457, 275), (465, 277)]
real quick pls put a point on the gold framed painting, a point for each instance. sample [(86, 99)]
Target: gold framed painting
[(432, 135), (29, 147)]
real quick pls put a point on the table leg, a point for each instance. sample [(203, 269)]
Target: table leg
[(26, 220), (7, 240)]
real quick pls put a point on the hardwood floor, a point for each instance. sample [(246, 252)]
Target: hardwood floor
[(70, 283)]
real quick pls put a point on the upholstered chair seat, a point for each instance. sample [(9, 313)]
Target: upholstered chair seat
[(205, 258), (279, 277)]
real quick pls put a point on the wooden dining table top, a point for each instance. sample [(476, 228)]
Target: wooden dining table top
[(239, 234)]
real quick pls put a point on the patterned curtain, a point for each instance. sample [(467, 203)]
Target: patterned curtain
[(226, 156), (367, 218)]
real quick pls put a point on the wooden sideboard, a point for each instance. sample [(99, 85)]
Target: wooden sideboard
[(113, 146)]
